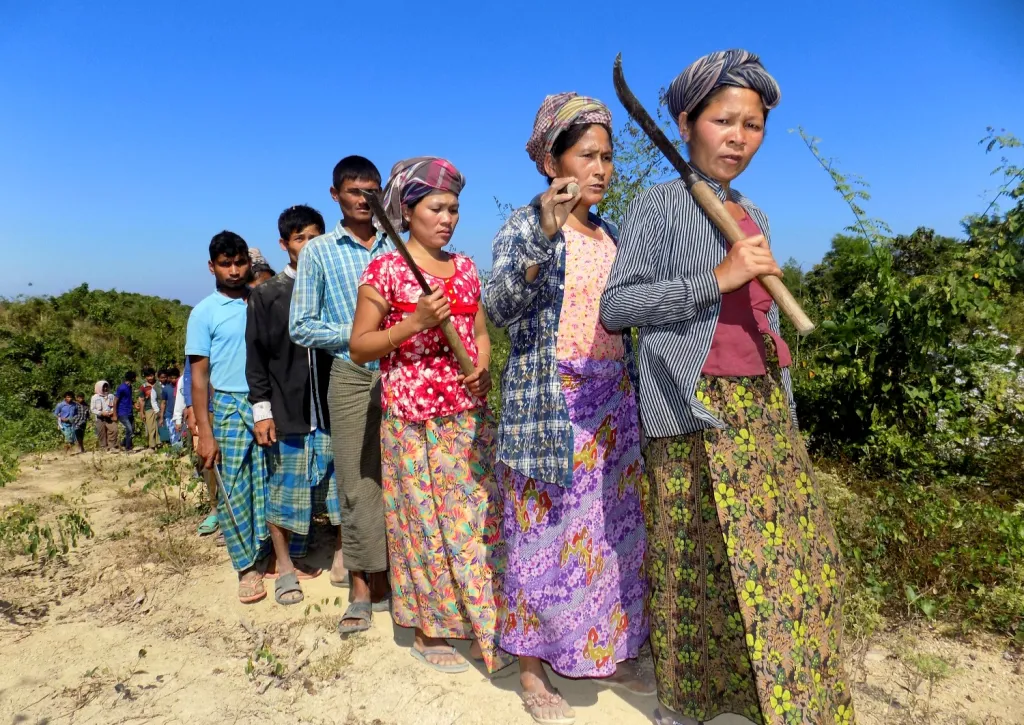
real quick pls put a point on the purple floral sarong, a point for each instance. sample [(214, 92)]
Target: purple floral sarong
[(574, 587)]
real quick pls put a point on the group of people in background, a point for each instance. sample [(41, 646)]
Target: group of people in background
[(648, 487), (154, 405)]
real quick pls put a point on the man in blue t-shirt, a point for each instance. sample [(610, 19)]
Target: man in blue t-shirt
[(215, 346), (124, 408), (170, 384)]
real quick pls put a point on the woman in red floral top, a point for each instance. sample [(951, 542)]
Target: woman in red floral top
[(441, 503)]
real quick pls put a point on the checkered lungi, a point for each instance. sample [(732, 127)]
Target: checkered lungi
[(301, 469), (243, 471)]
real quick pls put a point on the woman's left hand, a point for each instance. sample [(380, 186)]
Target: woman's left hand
[(479, 383)]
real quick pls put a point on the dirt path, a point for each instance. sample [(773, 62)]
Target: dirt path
[(141, 625)]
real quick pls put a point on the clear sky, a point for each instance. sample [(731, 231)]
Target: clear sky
[(131, 132)]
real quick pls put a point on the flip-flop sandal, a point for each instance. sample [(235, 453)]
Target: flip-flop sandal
[(360, 611), (536, 702), (286, 584), (303, 575), (384, 605), (209, 525), (259, 592), (439, 650), (220, 540)]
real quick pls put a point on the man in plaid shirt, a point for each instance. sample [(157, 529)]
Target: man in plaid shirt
[(322, 309)]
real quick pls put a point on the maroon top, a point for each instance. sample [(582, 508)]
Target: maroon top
[(737, 349)]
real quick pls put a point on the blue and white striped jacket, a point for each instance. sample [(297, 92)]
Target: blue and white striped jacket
[(663, 283)]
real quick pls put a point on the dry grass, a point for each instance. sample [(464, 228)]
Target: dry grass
[(177, 550), (332, 664)]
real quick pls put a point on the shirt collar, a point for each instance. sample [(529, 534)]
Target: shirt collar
[(223, 299), (343, 234), (289, 272)]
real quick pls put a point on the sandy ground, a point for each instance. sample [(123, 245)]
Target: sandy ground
[(141, 625)]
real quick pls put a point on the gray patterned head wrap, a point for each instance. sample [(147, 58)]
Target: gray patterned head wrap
[(722, 68)]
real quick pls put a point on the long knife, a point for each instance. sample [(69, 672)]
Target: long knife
[(450, 333), (706, 197)]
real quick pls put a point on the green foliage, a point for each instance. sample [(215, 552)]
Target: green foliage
[(168, 479), (26, 528), (499, 356), (915, 378), (639, 164), (52, 344)]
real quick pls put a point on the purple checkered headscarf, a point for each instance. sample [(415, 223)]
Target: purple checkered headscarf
[(555, 115), (722, 68), (413, 179)]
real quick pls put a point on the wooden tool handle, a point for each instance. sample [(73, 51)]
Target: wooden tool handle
[(722, 219), (455, 343), (450, 333)]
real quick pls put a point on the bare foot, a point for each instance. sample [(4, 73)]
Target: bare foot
[(475, 651), (338, 571), (542, 700), (628, 677), (665, 716)]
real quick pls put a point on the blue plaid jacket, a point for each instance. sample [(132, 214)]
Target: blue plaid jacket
[(326, 287), (534, 435)]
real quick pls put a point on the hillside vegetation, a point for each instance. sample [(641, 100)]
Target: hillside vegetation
[(910, 392)]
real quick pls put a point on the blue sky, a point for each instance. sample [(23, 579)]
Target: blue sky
[(131, 132)]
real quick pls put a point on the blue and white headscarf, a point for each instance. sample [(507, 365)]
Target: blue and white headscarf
[(738, 68)]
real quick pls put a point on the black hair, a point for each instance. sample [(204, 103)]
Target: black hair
[(296, 218), (130, 376), (260, 268), (174, 372), (354, 167), (68, 394), (161, 371), (147, 371), (80, 395), (706, 100), (571, 136), (229, 244)]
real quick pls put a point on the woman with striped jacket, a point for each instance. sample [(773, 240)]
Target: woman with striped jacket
[(746, 604)]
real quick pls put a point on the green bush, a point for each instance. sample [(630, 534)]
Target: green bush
[(52, 344)]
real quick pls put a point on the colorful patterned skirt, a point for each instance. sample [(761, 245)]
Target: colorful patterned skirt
[(574, 586), (441, 510), (243, 470), (746, 583)]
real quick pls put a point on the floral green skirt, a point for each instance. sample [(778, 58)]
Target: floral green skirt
[(745, 571)]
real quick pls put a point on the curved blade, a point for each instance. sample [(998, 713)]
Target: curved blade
[(647, 124)]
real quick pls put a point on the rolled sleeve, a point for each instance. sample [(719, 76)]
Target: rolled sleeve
[(519, 245)]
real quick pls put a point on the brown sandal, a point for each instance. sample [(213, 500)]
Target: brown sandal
[(251, 591)]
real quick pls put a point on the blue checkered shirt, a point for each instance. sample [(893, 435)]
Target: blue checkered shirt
[(326, 285), (535, 434)]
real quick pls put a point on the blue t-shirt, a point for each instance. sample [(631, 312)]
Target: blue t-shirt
[(65, 410), (167, 395), (216, 329), (125, 401)]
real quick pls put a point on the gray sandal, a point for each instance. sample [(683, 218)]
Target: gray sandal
[(360, 611), (286, 584), (384, 605), (452, 669)]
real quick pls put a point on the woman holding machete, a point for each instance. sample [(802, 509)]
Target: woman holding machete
[(569, 445), (441, 502), (746, 583)]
